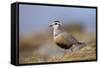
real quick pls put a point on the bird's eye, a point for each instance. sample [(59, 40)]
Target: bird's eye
[(55, 23)]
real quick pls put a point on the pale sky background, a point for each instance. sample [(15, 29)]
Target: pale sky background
[(34, 18)]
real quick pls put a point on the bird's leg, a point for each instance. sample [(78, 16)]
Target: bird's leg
[(77, 47), (73, 48)]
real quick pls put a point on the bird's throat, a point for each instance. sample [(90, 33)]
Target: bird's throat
[(57, 31)]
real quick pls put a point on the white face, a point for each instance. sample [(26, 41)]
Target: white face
[(55, 25)]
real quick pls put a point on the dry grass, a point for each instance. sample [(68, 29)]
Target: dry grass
[(86, 53)]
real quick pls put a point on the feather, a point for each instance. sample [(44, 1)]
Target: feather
[(61, 38), (65, 38)]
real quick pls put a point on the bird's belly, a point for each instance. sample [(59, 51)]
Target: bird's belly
[(62, 43), (64, 46)]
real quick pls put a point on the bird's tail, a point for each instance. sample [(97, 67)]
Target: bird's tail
[(80, 45), (90, 43)]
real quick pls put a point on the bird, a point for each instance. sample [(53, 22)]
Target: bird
[(62, 38)]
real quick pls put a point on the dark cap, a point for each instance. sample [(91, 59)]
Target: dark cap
[(56, 21)]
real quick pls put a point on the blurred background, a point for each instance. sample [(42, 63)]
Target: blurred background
[(36, 38)]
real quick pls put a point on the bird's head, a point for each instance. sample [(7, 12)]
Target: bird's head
[(55, 24)]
